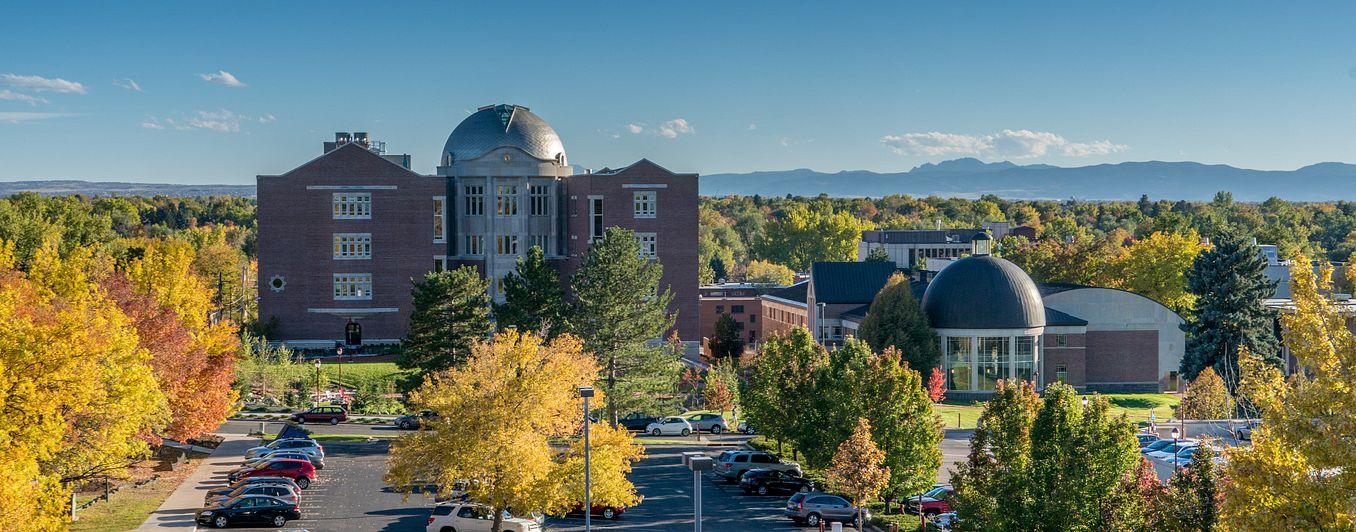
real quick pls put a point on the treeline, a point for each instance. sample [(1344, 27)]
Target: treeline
[(796, 231)]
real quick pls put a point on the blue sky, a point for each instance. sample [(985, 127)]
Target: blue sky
[(705, 87)]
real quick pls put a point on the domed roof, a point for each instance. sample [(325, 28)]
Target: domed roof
[(496, 126), (983, 292)]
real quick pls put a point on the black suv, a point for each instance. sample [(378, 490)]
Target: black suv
[(765, 481), (637, 421), (249, 510)]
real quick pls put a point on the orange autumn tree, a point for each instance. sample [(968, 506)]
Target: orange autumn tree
[(193, 355)]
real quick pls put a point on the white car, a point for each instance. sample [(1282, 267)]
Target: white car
[(669, 425), (308, 446), (471, 517), (1166, 454)]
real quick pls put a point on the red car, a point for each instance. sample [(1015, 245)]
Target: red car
[(331, 414), (300, 471), (935, 501), (605, 512)]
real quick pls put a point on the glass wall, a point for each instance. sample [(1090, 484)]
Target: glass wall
[(1024, 361), (958, 363), (992, 361)]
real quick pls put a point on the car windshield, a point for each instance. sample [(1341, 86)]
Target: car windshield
[(1158, 445), (936, 492)]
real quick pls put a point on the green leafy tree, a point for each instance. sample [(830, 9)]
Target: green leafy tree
[(1079, 456), (1229, 286), (896, 320), (725, 342), (764, 272), (534, 300), (858, 467), (780, 391), (878, 254), (1193, 495), (1205, 398), (619, 306), (451, 313), (991, 485), (802, 236)]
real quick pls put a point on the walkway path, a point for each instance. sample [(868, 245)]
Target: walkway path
[(178, 510)]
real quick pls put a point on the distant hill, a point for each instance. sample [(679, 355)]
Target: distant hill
[(96, 188), (971, 178)]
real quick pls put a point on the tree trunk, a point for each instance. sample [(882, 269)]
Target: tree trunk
[(498, 525)]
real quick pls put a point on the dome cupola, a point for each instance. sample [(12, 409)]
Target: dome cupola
[(983, 292), (504, 125)]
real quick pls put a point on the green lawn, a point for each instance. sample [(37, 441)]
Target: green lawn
[(129, 507), (1135, 406), (356, 374)]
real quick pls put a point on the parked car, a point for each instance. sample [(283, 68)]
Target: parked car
[(814, 508), (300, 445), (942, 522), (277, 491), (414, 421), (935, 501), (733, 464), (471, 517), (745, 428), (300, 471), (1171, 450), (637, 421), (1146, 439), (670, 425), (331, 414), (1245, 432), (765, 481), (249, 510), (316, 460), (605, 512), (713, 423), (1155, 446), (285, 482)]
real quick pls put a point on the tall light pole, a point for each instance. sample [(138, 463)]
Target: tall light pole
[(823, 331), (317, 382), (697, 462), (1175, 435), (339, 352), (586, 392)]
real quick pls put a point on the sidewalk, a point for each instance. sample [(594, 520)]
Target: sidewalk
[(177, 511)]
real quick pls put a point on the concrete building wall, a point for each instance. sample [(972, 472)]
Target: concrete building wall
[(1110, 310)]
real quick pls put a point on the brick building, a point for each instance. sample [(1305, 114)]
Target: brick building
[(740, 301), (341, 236)]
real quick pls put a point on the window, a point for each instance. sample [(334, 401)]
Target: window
[(541, 205), (1062, 372), (440, 264), (1024, 361), (506, 200), (644, 203), (595, 217), (352, 206), (475, 245), (753, 335), (992, 361), (837, 331), (720, 309), (475, 200), (352, 286), (507, 245), (736, 309), (1061, 340), (647, 245), (350, 246), (439, 217), (540, 241), (753, 318)]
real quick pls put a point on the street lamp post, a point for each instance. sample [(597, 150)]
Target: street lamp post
[(339, 352), (823, 331), (586, 392), (317, 382), (697, 462), (1175, 435)]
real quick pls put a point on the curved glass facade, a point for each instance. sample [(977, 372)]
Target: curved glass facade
[(976, 363)]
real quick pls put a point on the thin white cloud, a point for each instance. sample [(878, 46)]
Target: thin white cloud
[(1007, 144), (675, 127), (41, 84), (20, 97), (127, 83), (151, 124), (17, 117), (635, 129), (267, 119), (221, 121), (223, 77), (752, 126)]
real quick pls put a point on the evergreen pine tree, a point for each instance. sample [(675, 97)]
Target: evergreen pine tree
[(1229, 286), (619, 306), (451, 313), (725, 343), (896, 320), (534, 300)]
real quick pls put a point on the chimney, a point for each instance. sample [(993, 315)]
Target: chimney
[(361, 138), (340, 137)]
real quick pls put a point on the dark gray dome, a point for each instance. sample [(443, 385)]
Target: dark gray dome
[(495, 126), (983, 292)]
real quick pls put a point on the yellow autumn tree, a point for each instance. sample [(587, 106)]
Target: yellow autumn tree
[(612, 452), (1155, 267), (498, 413), (858, 467), (76, 392), (1298, 474)]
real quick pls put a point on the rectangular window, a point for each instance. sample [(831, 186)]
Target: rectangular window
[(1024, 360), (720, 309), (475, 200), (540, 241), (506, 200), (1061, 340), (648, 245), (439, 264), (645, 203), (1062, 372), (352, 206), (439, 219), (507, 245), (736, 309), (352, 286), (595, 217), (350, 246), (958, 363), (993, 361), (475, 245), (541, 205), (753, 318)]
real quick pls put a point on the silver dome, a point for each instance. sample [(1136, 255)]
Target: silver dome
[(496, 126)]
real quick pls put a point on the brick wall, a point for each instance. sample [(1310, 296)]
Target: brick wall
[(1072, 356), (1117, 360)]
